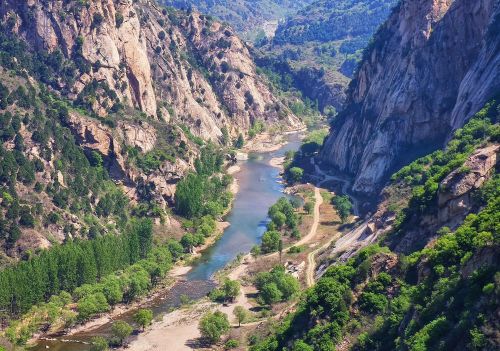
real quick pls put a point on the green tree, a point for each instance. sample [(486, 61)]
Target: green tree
[(270, 241), (189, 196), (188, 241), (143, 317), (343, 205), (241, 314), (296, 174), (231, 289), (239, 142), (270, 294), (213, 325), (300, 345), (121, 330), (98, 343)]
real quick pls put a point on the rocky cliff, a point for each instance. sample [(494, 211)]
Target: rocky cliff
[(431, 66), (172, 66)]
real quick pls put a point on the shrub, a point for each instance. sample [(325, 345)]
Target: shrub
[(213, 325), (309, 207), (231, 344), (296, 174), (343, 205), (121, 330), (270, 241), (143, 317), (98, 343)]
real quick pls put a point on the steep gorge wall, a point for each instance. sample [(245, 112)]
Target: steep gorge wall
[(432, 65)]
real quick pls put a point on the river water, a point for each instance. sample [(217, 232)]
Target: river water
[(259, 188)]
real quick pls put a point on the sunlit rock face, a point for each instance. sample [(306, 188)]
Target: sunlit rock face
[(433, 64), (171, 65)]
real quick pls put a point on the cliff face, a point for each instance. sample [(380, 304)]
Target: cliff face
[(432, 65), (170, 65)]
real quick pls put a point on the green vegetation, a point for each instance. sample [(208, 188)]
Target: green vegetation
[(324, 21), (98, 343), (231, 344), (246, 16), (93, 298), (213, 325), (309, 207), (440, 297), (283, 219), (295, 174), (296, 163), (425, 174), (241, 314), (276, 286), (143, 317), (204, 192), (343, 205), (229, 291), (66, 267), (121, 330)]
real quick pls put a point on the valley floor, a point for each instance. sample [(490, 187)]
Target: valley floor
[(179, 330)]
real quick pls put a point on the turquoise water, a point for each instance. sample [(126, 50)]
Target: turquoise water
[(259, 188)]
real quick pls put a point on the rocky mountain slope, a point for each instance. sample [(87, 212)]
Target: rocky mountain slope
[(422, 78), (121, 96), (421, 273), (168, 64)]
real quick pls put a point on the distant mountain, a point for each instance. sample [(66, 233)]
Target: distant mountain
[(322, 43), (330, 20), (249, 17)]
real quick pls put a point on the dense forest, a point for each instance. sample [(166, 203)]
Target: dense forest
[(438, 297)]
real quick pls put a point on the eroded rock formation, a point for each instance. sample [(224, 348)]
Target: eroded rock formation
[(432, 65), (168, 64)]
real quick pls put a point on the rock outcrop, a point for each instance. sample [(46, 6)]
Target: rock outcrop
[(455, 191), (432, 65), (455, 199), (171, 65)]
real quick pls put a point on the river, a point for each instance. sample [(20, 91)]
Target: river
[(259, 187)]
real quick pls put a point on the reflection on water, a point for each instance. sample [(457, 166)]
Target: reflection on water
[(259, 188)]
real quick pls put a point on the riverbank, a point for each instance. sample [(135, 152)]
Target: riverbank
[(269, 142), (259, 184), (179, 329)]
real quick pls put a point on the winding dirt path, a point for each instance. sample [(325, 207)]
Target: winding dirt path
[(343, 243)]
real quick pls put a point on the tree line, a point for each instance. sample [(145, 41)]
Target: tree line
[(66, 267)]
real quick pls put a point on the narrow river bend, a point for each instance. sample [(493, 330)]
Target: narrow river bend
[(259, 188)]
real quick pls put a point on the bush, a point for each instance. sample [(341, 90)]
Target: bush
[(270, 294), (241, 314), (296, 174), (276, 285), (121, 330), (98, 343), (213, 325), (231, 344), (343, 205), (372, 302), (270, 241), (143, 317), (309, 207)]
